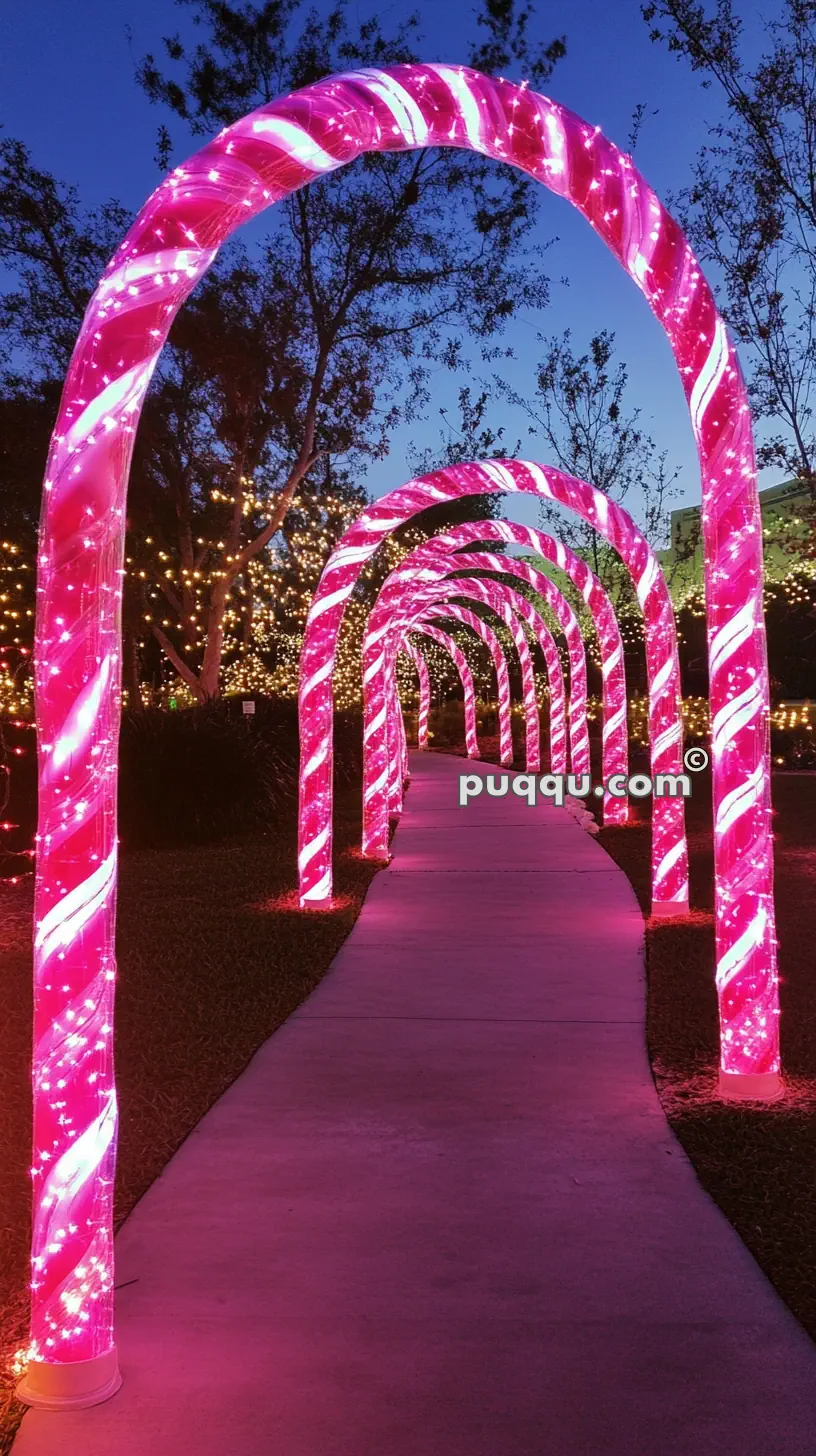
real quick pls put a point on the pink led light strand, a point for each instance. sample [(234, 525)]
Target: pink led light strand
[(248, 166)]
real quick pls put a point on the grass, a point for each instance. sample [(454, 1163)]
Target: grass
[(756, 1162), (213, 956)]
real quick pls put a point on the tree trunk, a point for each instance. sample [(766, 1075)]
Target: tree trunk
[(185, 673), (210, 676)]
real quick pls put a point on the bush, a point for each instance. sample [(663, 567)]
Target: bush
[(446, 724), (198, 775), (793, 748), (275, 723)]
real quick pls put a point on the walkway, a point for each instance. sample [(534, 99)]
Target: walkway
[(441, 1214)]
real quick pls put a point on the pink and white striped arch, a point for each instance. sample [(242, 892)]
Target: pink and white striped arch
[(451, 646), (247, 167), (615, 728), (530, 615), (413, 586), (379, 649), (669, 853), (424, 704), (455, 612)]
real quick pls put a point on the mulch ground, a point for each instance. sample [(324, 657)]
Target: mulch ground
[(213, 956)]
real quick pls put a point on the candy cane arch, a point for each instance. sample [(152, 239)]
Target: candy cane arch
[(669, 853), (426, 629), (423, 559), (174, 239), (614, 726), (615, 737), (469, 619), (500, 604), (526, 610), (424, 709), (378, 768)]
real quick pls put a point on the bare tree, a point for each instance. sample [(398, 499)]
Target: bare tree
[(750, 211), (309, 348), (580, 414)]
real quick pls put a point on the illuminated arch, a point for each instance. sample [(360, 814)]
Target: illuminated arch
[(247, 167), (454, 611), (378, 771), (444, 639), (424, 707), (615, 525), (337, 582), (672, 889), (443, 589)]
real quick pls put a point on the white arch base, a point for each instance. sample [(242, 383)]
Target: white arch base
[(73, 1385), (751, 1087), (661, 910)]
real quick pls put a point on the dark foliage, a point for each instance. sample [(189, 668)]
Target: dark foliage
[(196, 776), (203, 775)]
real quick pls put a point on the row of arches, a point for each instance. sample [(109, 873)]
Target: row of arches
[(422, 571), (249, 166)]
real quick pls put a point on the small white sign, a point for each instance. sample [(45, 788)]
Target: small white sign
[(248, 706)]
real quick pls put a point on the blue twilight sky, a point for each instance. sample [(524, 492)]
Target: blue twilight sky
[(67, 90)]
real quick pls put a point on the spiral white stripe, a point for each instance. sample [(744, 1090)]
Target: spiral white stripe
[(310, 850), (293, 140), (730, 637), (705, 385), (64, 921), (740, 800), (409, 119), (734, 959), (81, 720), (734, 716), (124, 394)]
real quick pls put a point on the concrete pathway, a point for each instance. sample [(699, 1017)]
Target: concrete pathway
[(441, 1214)]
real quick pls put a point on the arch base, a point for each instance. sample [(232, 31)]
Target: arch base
[(72, 1385), (670, 909), (751, 1086)]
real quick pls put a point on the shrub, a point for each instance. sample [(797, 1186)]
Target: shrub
[(198, 775), (793, 748)]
